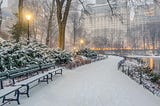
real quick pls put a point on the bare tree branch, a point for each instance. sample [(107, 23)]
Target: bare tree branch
[(1, 2), (110, 7), (85, 10), (62, 2), (1, 13), (157, 3)]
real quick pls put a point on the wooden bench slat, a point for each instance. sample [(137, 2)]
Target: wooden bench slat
[(8, 90), (32, 79), (22, 72)]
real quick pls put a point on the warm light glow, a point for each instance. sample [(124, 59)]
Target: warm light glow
[(127, 48), (28, 17), (74, 49), (151, 63), (92, 48), (81, 41)]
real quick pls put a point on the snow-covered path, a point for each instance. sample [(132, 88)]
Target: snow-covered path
[(96, 84)]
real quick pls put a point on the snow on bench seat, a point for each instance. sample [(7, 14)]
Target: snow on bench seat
[(32, 79), (38, 77), (55, 71), (8, 90)]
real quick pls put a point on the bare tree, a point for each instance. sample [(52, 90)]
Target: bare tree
[(1, 1), (43, 24), (63, 7), (62, 20), (154, 32), (50, 22), (157, 2), (20, 18)]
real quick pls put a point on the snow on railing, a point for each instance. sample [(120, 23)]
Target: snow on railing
[(134, 70)]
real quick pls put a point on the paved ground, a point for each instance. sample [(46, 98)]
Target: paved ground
[(96, 84)]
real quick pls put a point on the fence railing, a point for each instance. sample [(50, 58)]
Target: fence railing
[(140, 77)]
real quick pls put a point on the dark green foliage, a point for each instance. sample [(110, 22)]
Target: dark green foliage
[(154, 77), (21, 54), (148, 71), (87, 53), (60, 57), (16, 31), (145, 69)]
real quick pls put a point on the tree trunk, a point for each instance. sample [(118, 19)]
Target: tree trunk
[(20, 18), (62, 20), (153, 43), (34, 30), (61, 36), (1, 14), (50, 23)]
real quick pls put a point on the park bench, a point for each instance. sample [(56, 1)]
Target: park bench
[(8, 90), (27, 82), (4, 91), (3, 76), (55, 72), (25, 72), (43, 77), (46, 66)]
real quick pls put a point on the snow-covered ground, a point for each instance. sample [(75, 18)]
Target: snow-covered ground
[(95, 84)]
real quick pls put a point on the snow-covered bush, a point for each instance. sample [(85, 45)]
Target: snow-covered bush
[(87, 53), (60, 57), (154, 77), (141, 73), (18, 55)]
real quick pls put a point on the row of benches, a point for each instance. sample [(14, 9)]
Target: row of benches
[(12, 74), (40, 77)]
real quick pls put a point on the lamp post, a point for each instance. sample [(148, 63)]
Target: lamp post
[(28, 17)]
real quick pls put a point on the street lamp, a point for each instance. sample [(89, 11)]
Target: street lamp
[(28, 17)]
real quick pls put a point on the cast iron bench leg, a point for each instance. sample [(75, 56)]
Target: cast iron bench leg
[(3, 99), (27, 90), (39, 81), (13, 81), (17, 97), (12, 99), (51, 76), (47, 79), (1, 84), (61, 71), (58, 72)]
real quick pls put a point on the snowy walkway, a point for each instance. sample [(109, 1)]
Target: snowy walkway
[(96, 84)]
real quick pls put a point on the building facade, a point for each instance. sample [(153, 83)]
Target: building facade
[(124, 23)]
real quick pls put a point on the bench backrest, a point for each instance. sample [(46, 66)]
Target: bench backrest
[(14, 71), (23, 71), (48, 65), (3, 76), (33, 68)]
